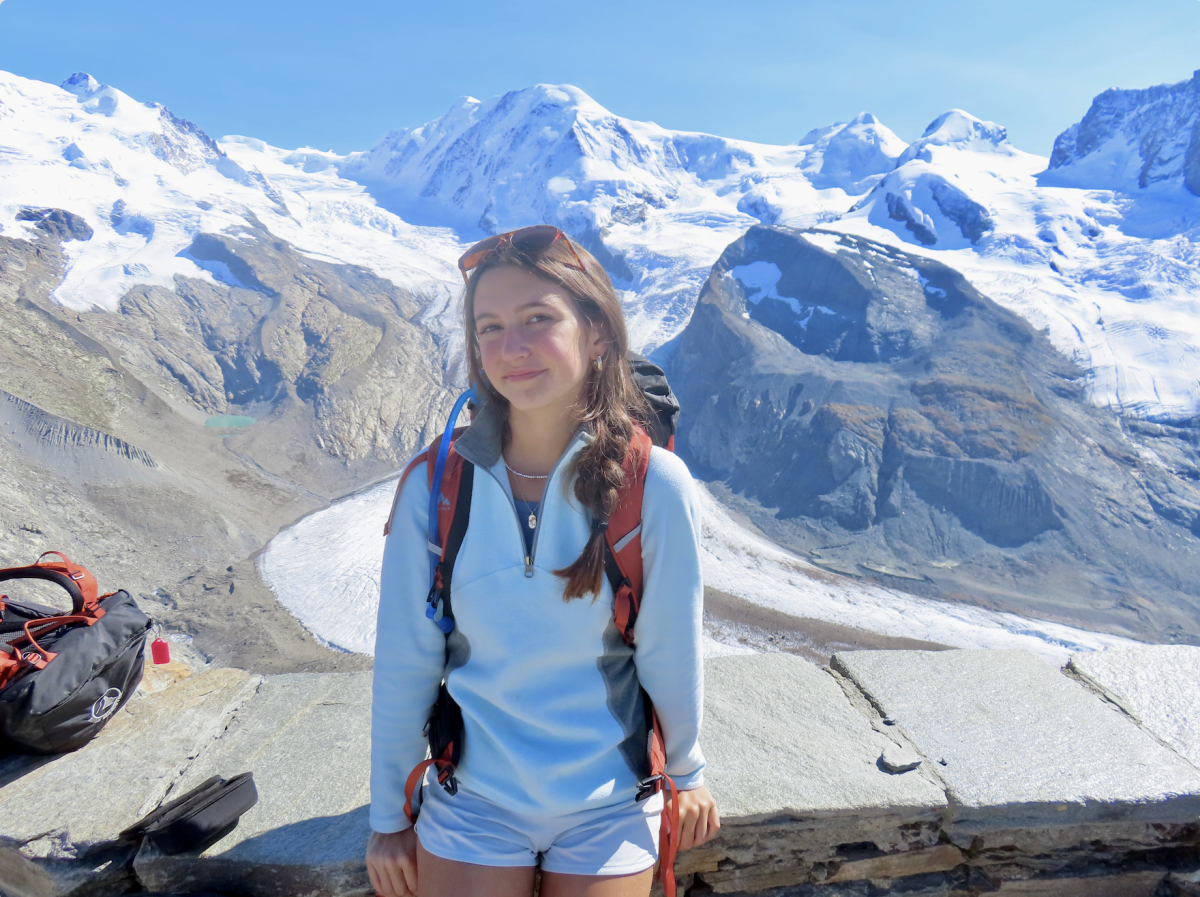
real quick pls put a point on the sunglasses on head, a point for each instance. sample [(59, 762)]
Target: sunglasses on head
[(532, 241)]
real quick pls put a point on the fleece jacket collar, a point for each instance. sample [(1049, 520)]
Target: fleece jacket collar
[(483, 442)]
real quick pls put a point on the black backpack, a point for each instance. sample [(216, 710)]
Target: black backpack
[(652, 381), (63, 676)]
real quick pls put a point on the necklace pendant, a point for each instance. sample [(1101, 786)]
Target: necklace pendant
[(532, 520)]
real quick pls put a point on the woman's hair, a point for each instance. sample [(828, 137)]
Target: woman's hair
[(608, 405)]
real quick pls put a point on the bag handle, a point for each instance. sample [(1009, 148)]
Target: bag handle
[(75, 579), (53, 576)]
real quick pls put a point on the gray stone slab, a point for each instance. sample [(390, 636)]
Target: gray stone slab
[(104, 872), (1019, 743), (62, 807), (1158, 685), (306, 738), (780, 736)]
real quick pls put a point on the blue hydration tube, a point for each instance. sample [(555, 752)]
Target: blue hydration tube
[(435, 489)]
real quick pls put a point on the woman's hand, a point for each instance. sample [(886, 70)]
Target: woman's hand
[(699, 820), (392, 863)]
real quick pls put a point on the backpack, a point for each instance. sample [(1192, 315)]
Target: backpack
[(63, 676), (451, 478)]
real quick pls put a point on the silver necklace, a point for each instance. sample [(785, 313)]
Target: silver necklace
[(532, 519), (528, 476)]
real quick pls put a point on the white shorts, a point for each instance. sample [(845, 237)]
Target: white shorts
[(615, 840)]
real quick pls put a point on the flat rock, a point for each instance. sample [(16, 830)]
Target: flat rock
[(161, 676), (1158, 685), (65, 806), (1127, 884), (306, 738), (896, 759), (1018, 742), (781, 737)]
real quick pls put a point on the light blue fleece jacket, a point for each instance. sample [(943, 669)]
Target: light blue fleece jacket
[(548, 688)]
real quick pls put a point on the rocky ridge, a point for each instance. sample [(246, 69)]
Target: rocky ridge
[(1133, 137)]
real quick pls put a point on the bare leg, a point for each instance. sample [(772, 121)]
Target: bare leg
[(556, 884), (437, 877)]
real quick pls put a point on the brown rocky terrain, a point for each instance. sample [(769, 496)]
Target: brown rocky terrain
[(103, 416)]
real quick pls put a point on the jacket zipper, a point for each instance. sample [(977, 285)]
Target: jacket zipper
[(537, 528)]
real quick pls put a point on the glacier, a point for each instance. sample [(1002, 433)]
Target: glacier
[(325, 569)]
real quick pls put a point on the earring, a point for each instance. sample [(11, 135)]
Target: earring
[(599, 363)]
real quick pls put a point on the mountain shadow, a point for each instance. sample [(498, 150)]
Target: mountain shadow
[(871, 409)]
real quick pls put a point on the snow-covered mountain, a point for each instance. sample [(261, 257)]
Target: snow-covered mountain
[(148, 183), (1112, 271), (1097, 244), (656, 206)]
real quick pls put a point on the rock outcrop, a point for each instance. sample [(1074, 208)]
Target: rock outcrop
[(868, 406), (1017, 778), (326, 356)]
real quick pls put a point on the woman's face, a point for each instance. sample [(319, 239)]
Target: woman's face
[(534, 344)]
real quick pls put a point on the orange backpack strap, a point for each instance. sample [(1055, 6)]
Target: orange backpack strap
[(412, 465), (425, 455), (623, 567), (412, 788), (451, 486), (453, 516), (623, 560)]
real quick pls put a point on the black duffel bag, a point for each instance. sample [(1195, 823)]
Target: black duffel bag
[(64, 675)]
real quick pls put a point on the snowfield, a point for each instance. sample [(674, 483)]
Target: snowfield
[(325, 570), (148, 183)]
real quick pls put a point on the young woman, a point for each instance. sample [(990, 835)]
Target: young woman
[(551, 695)]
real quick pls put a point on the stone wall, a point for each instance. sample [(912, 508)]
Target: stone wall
[(923, 773)]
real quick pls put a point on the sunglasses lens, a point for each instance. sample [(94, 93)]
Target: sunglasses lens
[(475, 254), (537, 238)]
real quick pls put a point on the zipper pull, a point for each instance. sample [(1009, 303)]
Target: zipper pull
[(529, 568)]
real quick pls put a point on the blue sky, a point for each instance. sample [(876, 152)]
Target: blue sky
[(338, 76)]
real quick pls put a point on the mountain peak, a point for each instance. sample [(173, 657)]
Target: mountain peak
[(850, 155), (957, 126), (564, 104), (81, 84), (960, 129), (561, 94)]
